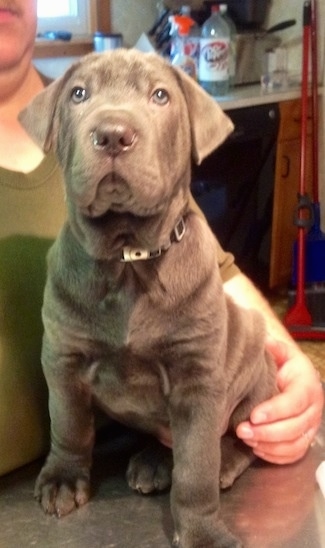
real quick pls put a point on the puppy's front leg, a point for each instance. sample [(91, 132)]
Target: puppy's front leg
[(195, 483), (63, 483)]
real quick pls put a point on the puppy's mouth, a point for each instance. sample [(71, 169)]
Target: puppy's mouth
[(100, 211), (111, 193), (114, 195)]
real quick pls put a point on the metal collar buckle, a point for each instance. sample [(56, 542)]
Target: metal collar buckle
[(130, 254), (179, 230)]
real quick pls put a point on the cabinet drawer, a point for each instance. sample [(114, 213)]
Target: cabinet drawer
[(290, 120), (284, 231)]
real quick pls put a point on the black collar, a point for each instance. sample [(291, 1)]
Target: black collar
[(130, 254)]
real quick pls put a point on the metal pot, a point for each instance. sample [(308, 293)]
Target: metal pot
[(105, 41), (251, 48)]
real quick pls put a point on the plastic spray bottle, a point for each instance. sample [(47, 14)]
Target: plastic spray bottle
[(181, 57), (192, 41)]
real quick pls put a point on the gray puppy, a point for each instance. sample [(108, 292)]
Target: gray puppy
[(135, 317)]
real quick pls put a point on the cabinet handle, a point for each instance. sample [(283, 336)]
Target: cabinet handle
[(298, 119), (286, 166)]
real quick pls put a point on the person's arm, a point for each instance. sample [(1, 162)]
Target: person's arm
[(281, 429), (246, 294)]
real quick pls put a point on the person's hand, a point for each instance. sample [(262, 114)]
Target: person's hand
[(282, 429)]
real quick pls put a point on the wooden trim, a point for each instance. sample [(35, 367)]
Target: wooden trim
[(100, 15), (58, 48)]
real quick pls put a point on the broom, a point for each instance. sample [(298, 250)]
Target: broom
[(315, 257), (315, 239), (298, 318)]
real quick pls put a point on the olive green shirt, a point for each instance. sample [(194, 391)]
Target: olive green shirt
[(31, 212)]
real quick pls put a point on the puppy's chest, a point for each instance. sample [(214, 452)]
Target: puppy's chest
[(128, 386), (128, 350), (129, 377), (135, 337), (122, 314)]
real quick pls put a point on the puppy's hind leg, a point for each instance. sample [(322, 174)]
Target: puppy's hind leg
[(235, 459), (151, 469)]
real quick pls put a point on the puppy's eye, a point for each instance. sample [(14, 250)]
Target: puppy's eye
[(160, 96), (79, 95)]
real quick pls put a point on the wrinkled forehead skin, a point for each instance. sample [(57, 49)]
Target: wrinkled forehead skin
[(124, 71)]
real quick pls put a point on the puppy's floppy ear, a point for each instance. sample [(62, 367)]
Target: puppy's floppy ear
[(209, 124), (38, 117)]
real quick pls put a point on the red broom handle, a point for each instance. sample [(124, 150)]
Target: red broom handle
[(302, 187), (314, 49)]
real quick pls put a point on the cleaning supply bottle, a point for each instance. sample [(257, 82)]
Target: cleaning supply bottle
[(192, 41), (233, 44), (174, 37), (181, 58), (214, 54)]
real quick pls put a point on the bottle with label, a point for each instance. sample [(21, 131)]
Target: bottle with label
[(233, 44), (182, 58), (214, 54), (192, 41)]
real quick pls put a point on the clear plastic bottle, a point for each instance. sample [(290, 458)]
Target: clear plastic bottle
[(214, 54), (233, 44)]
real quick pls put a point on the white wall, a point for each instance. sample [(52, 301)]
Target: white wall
[(132, 18), (53, 67)]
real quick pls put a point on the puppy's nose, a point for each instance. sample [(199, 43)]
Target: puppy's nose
[(113, 137)]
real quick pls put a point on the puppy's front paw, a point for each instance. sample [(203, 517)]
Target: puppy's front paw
[(151, 469), (218, 537), (61, 489)]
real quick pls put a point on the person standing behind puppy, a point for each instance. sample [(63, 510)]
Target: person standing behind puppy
[(32, 211)]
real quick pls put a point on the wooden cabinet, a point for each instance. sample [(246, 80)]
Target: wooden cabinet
[(287, 177)]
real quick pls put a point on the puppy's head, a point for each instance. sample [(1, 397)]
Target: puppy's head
[(124, 126)]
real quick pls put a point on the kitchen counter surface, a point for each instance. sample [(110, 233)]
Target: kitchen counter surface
[(268, 507), (252, 95)]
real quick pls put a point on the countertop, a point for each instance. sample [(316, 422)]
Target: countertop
[(268, 507), (252, 95)]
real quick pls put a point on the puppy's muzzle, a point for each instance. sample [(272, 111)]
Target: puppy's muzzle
[(113, 137)]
